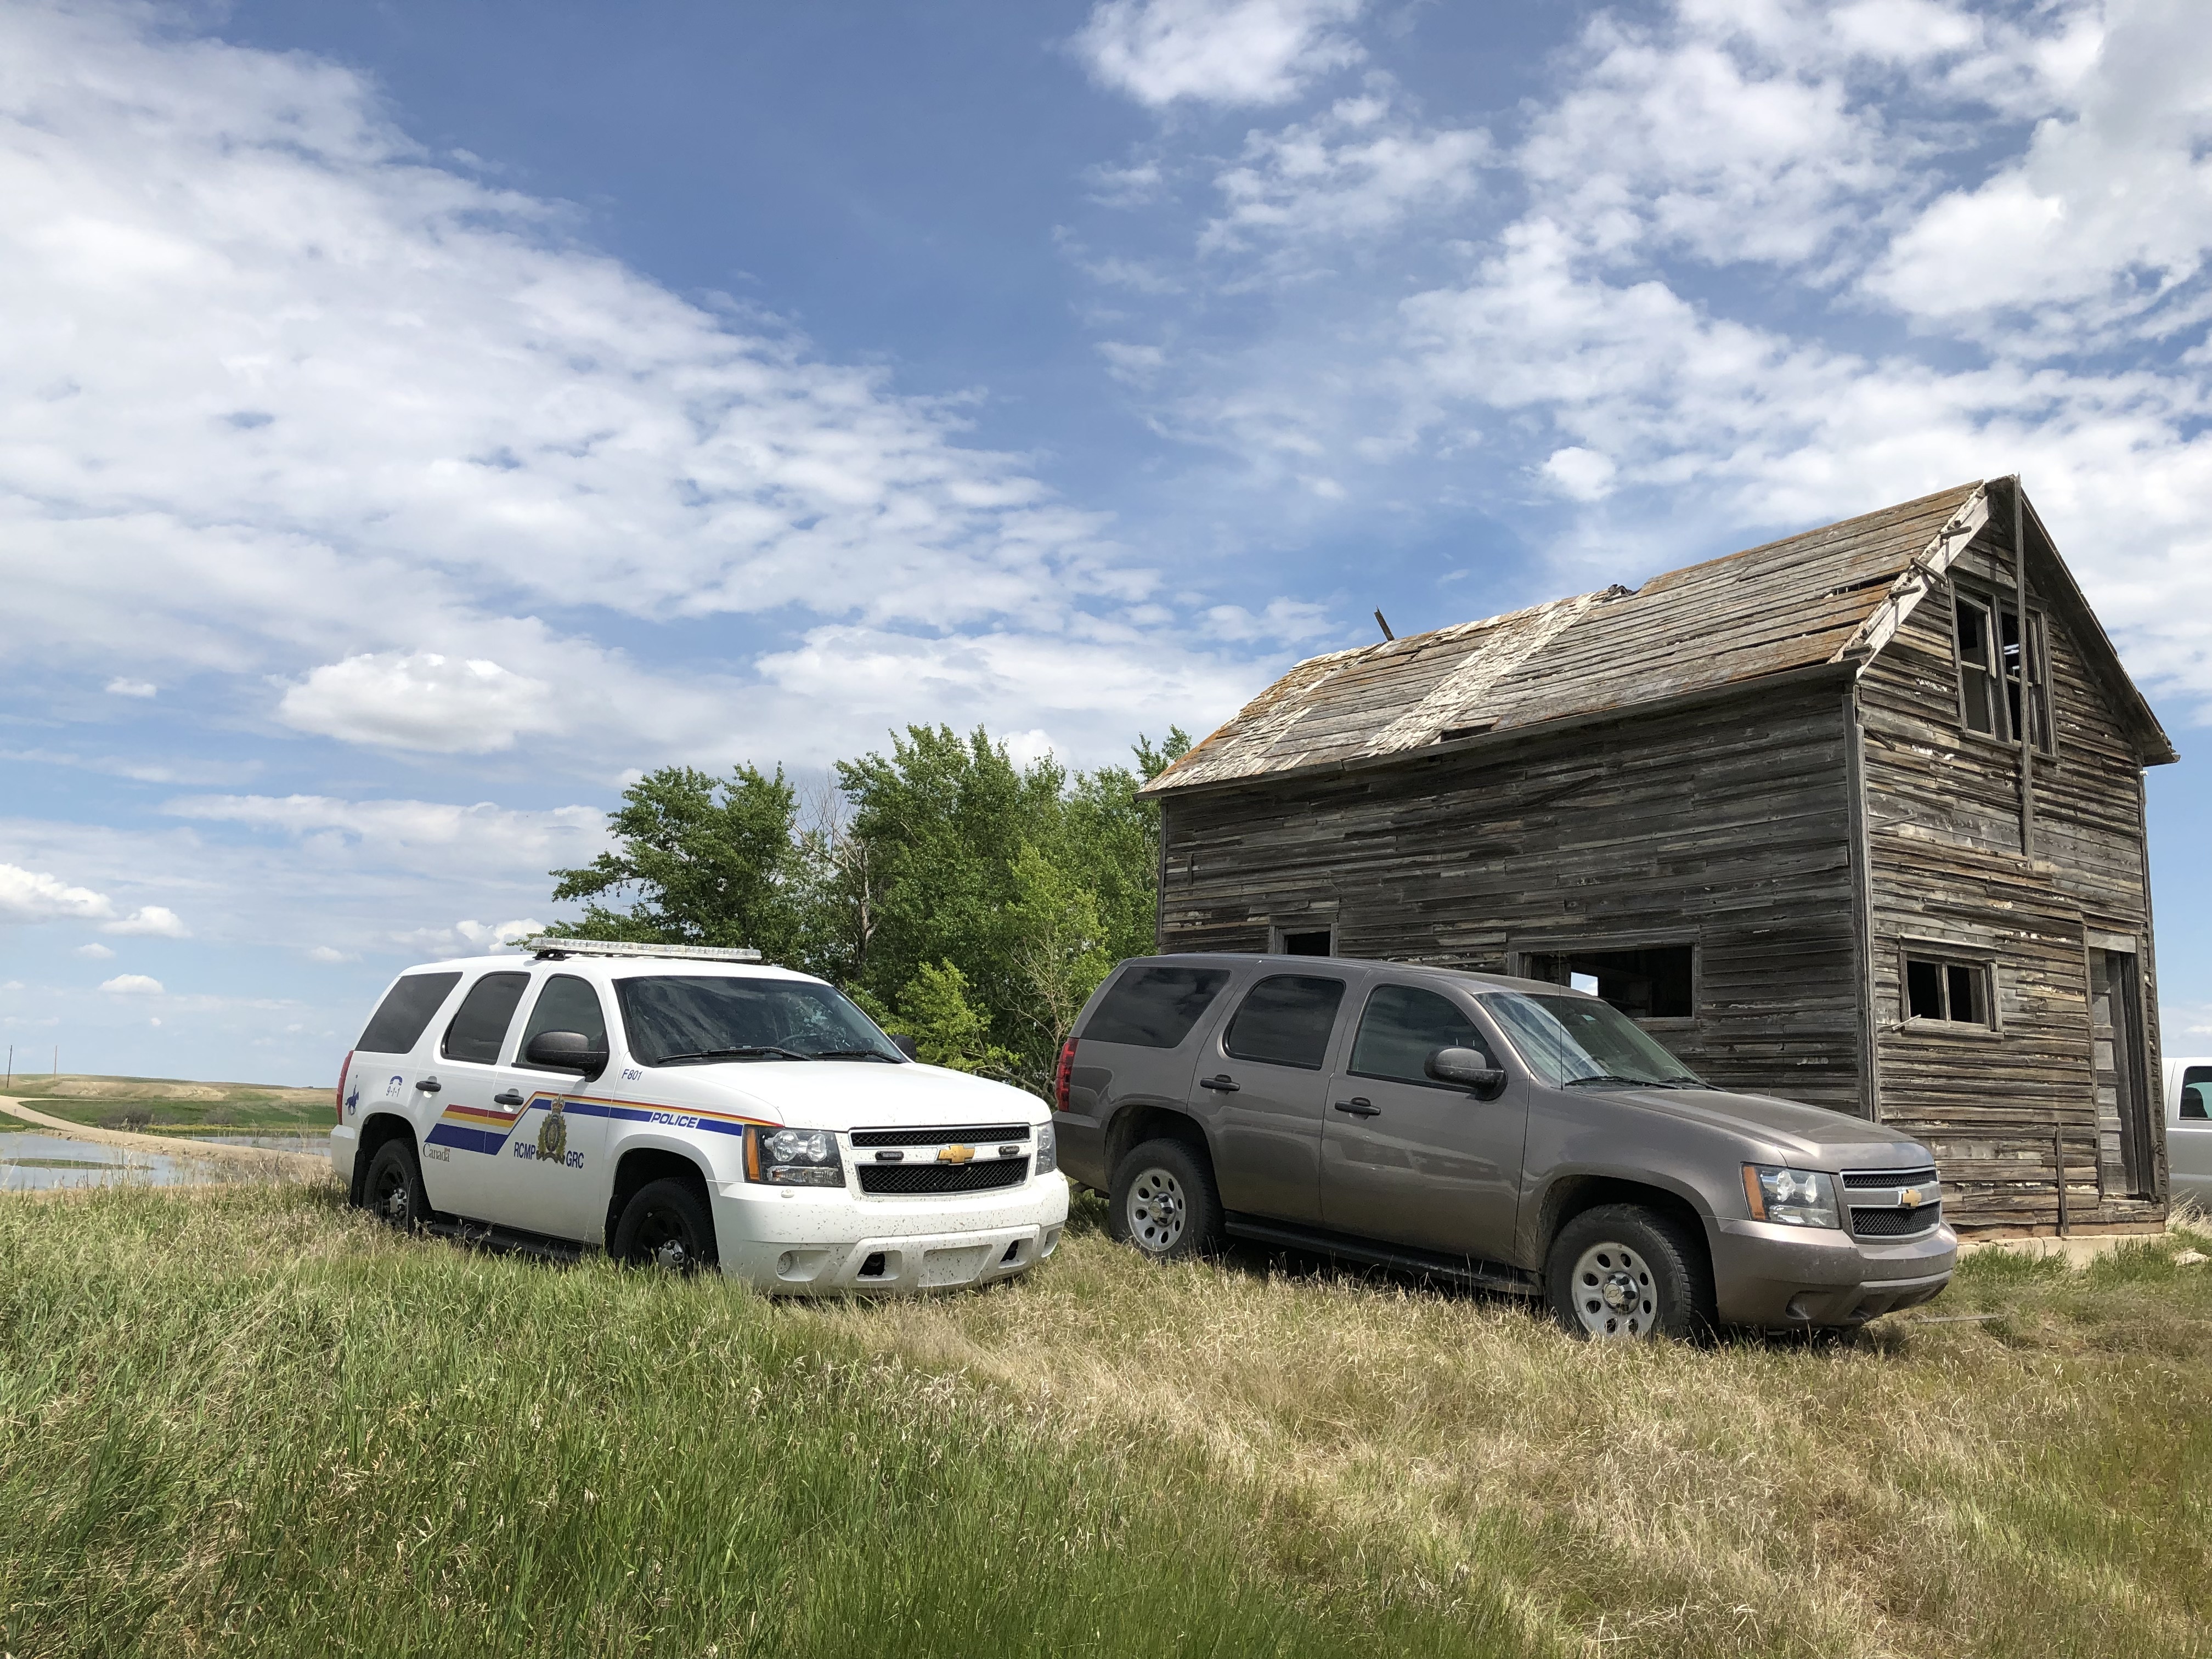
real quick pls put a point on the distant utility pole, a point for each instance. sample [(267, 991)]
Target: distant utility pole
[(57, 1059), (11, 1066)]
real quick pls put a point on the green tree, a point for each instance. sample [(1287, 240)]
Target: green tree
[(947, 1028), (700, 861)]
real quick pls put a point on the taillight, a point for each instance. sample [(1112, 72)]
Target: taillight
[(1063, 1076), (340, 1101)]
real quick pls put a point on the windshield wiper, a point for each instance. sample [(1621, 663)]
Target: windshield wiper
[(855, 1054), (1619, 1082), (751, 1051)]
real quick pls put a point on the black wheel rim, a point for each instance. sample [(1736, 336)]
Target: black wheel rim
[(389, 1197), (665, 1239)]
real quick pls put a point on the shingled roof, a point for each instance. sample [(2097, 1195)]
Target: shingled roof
[(1835, 595)]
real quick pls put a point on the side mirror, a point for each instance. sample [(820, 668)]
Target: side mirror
[(566, 1051), (905, 1044), (1467, 1069)]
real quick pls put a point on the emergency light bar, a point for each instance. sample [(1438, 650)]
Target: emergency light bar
[(545, 945)]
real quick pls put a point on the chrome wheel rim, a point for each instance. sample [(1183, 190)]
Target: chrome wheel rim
[(1157, 1209), (1615, 1299)]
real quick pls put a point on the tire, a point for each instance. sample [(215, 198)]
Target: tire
[(666, 1224), (1623, 1273), (392, 1191), (1163, 1202)]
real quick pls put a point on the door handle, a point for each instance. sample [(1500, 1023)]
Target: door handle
[(1220, 1084), (509, 1098), (429, 1085), (1359, 1106)]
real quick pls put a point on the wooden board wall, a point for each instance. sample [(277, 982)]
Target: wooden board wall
[(1946, 854), (1728, 827)]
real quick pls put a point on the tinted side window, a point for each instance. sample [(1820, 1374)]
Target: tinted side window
[(397, 1025), (1285, 1020), (1155, 1007), (1402, 1027), (566, 1004), (479, 1029), (2196, 1093)]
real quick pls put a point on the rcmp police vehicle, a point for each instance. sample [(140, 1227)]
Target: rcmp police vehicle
[(693, 1108)]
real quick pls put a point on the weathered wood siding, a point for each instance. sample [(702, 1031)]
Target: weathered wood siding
[(1727, 826), (1945, 858)]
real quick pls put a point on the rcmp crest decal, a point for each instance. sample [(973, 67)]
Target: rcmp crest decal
[(553, 1135)]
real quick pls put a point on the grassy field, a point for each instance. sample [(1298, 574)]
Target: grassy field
[(245, 1420), (173, 1104)]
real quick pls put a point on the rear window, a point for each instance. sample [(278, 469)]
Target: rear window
[(481, 1026), (399, 1023), (1155, 1007)]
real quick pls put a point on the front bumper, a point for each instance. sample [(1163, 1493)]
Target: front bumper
[(1779, 1277), (813, 1243)]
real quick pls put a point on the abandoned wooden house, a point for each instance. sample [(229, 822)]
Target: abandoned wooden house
[(1855, 817)]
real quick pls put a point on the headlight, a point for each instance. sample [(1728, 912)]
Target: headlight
[(792, 1158), (1796, 1198), (1047, 1151)]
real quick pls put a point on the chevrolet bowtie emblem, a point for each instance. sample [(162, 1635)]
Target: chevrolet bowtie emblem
[(955, 1154), (1910, 1198)]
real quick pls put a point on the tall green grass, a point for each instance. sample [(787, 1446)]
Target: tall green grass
[(246, 1421)]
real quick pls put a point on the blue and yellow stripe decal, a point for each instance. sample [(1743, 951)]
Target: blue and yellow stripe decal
[(488, 1128)]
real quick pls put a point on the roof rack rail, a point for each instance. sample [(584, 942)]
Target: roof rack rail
[(544, 945)]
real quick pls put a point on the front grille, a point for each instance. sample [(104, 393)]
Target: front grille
[(972, 1134), (1862, 1178), (886, 1180), (1895, 1224)]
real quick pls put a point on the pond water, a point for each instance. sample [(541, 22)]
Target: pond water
[(32, 1161)]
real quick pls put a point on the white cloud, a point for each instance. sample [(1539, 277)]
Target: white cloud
[(1583, 474), (132, 985), (467, 938), (1355, 170), (94, 952), (1217, 51), (2105, 222), (29, 896), (422, 701), (124, 688), (329, 958), (338, 419), (153, 921), (440, 829)]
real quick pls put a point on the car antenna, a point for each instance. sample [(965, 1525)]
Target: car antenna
[(1383, 625)]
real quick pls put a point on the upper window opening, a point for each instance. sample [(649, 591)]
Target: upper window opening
[(1155, 1007), (1314, 942), (1286, 1020), (1657, 982), (1956, 992), (2004, 679)]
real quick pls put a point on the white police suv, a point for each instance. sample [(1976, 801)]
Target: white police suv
[(693, 1108)]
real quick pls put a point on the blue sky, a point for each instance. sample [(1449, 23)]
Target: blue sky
[(416, 419)]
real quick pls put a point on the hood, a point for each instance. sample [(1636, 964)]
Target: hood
[(1813, 1135), (830, 1094)]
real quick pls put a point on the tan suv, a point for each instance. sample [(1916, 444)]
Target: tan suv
[(1500, 1132)]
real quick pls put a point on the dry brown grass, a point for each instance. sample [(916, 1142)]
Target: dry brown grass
[(2032, 1483)]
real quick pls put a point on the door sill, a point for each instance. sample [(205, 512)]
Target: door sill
[(508, 1241), (1459, 1269)]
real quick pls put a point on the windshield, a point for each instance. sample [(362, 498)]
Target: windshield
[(1568, 1040), (678, 1020)]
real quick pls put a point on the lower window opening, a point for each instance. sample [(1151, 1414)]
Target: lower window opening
[(1657, 982)]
